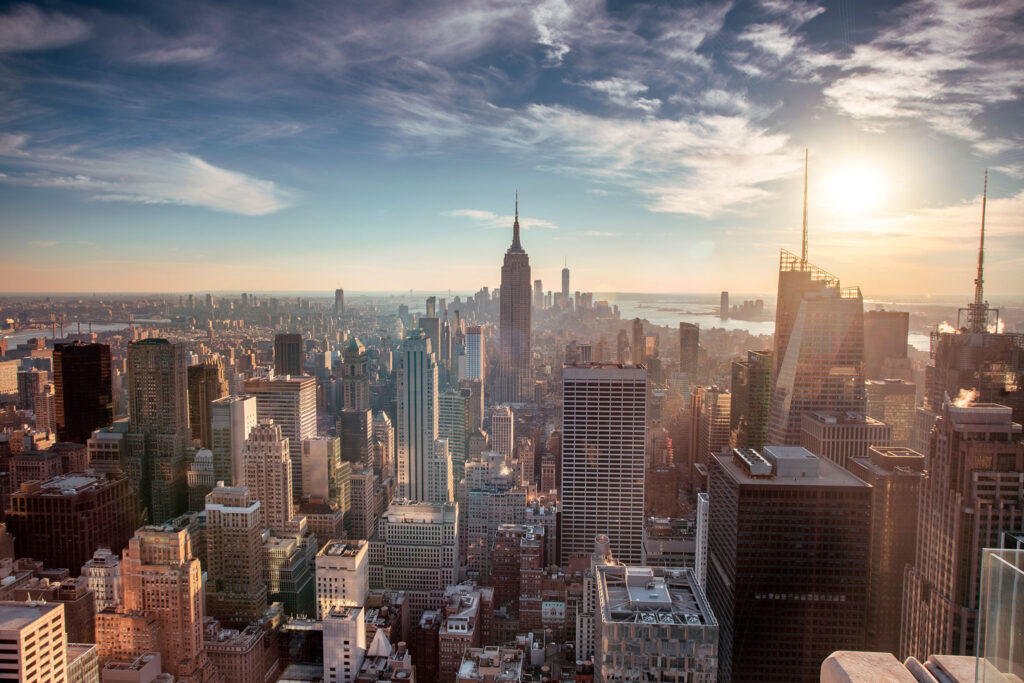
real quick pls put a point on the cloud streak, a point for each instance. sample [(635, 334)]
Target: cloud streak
[(26, 28)]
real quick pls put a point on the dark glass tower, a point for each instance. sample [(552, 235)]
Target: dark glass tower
[(288, 354), (83, 396)]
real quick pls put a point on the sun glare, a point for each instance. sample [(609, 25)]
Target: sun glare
[(854, 188)]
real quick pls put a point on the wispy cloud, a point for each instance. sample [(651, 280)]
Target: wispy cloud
[(488, 219), (178, 55), (625, 92), (26, 27), (148, 176), (43, 243)]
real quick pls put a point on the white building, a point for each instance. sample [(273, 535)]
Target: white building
[(440, 488), (474, 354), (417, 414), (700, 565), (269, 476), (290, 401), (502, 431), (342, 575), (344, 644), (604, 416), (231, 420), (103, 576)]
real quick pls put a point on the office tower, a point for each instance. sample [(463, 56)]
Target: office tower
[(102, 573), (288, 354), (355, 429), (788, 598), (268, 475), (604, 425), (321, 465), (384, 440), (355, 378), (45, 405), (453, 425), (970, 496), (363, 521), (841, 436), (62, 521), (538, 294), (723, 307), (502, 431), (231, 420), (200, 479), (416, 549), (431, 326), (751, 391), (712, 423), (622, 347), (235, 590), (490, 497), (83, 394), (467, 613), (342, 575), (653, 619), (291, 403), (30, 382), (158, 425), (516, 370), (525, 459), (439, 485), (339, 302), (162, 575), (689, 344), (637, 345), (417, 414), (34, 643), (822, 346), (107, 452), (586, 615), (205, 384), (289, 569), (885, 344), (475, 388), (444, 354), (565, 284), (344, 638), (475, 354), (892, 402), (895, 475)]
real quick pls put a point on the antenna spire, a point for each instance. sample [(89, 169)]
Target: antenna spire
[(515, 227), (977, 311), (803, 251)]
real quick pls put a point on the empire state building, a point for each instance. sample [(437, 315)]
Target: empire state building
[(515, 381)]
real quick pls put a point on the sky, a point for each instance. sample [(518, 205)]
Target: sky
[(655, 147)]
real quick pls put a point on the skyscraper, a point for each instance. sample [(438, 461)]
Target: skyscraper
[(538, 295), (637, 346), (565, 284), (417, 414), (604, 414), (83, 396), (205, 384), (516, 372), (712, 428), (355, 379), (503, 431), (885, 344), (453, 425), (339, 302), (231, 420), (235, 590), (723, 307), (268, 475), (970, 496), (475, 354), (158, 425), (35, 644), (288, 354), (291, 403), (795, 591), (751, 399), (689, 343)]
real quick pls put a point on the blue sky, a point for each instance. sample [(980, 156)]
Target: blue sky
[(377, 145)]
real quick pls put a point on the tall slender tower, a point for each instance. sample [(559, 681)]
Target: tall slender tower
[(417, 414), (565, 283), (977, 311), (82, 382), (516, 380)]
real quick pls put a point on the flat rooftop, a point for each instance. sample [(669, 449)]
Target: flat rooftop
[(825, 472), (17, 615), (652, 595), (342, 548)]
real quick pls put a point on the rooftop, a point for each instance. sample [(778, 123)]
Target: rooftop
[(783, 466), (16, 615), (342, 548), (652, 595)]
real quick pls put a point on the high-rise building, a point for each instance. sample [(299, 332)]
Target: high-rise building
[(30, 382), (102, 573), (34, 642), (344, 639), (45, 405), (363, 520), (439, 484), (502, 431), (565, 283), (355, 378), (321, 465), (723, 306), (453, 425), (342, 575), (640, 606), (604, 425), (339, 302), (490, 496), (637, 345), (841, 436), (61, 522), (751, 391), (788, 598), (475, 354), (475, 388), (384, 440), (231, 420), (895, 475), (538, 295), (416, 549), (892, 402), (288, 354), (355, 429), (158, 426), (268, 475), (970, 496), (820, 336), (417, 414), (516, 369), (689, 345), (162, 575), (291, 403), (205, 384), (712, 423), (83, 393), (235, 589), (885, 344)]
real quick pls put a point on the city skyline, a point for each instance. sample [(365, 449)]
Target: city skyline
[(147, 148)]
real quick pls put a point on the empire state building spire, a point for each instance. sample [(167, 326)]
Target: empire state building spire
[(515, 383), (516, 246)]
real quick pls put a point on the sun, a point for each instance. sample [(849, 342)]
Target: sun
[(854, 187)]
